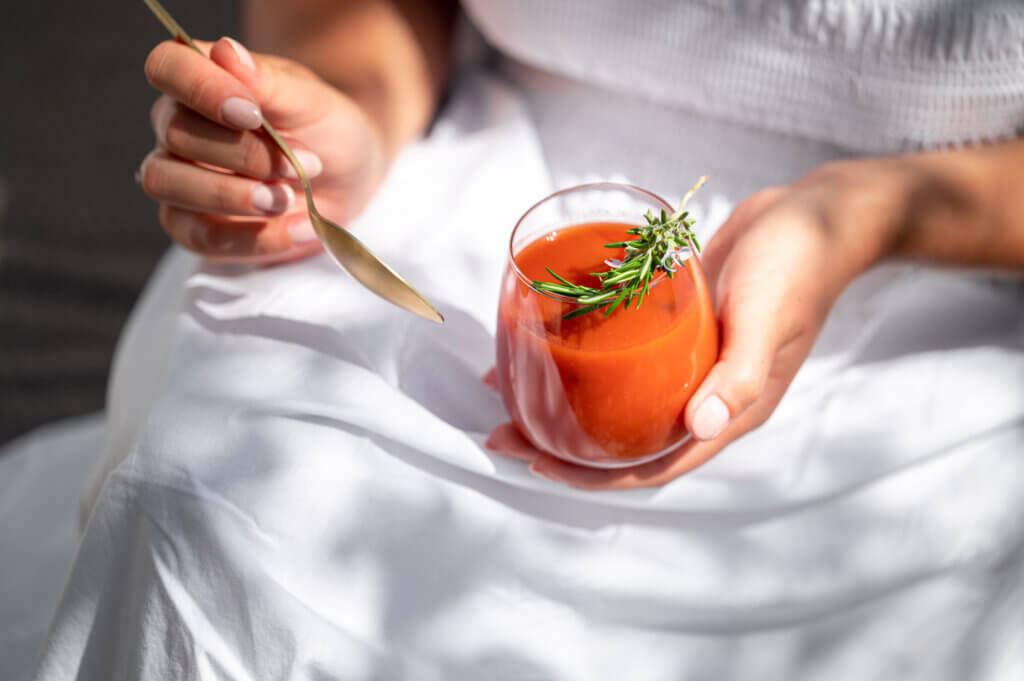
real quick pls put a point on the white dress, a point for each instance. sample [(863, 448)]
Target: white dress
[(301, 491)]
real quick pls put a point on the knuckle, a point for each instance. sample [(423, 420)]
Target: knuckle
[(767, 194), (154, 65), (226, 198), (160, 115), (154, 115), (176, 137), (761, 418), (166, 219), (747, 387), (184, 228), (195, 237), (151, 178), (254, 158), (828, 171), (201, 92), (762, 199), (275, 67), (278, 76)]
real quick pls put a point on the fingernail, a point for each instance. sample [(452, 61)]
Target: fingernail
[(272, 198), (310, 162), (489, 443), (241, 113), (301, 231), (142, 167), (242, 53), (192, 233), (542, 474), (514, 454), (711, 418)]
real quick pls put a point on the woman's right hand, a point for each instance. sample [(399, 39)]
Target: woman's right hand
[(225, 190)]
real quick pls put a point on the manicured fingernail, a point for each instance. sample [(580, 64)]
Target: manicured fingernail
[(515, 454), (489, 443), (242, 53), (272, 198), (142, 167), (543, 474), (310, 162), (490, 379), (192, 233), (241, 113), (711, 418), (301, 231)]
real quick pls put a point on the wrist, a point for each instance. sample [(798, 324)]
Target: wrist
[(866, 207), (964, 207), (387, 139), (903, 188)]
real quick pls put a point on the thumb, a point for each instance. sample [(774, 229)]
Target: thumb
[(739, 377), (288, 94), (232, 56)]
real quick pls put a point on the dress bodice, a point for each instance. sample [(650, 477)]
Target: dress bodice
[(871, 76)]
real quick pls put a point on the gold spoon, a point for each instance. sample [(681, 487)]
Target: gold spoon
[(347, 251)]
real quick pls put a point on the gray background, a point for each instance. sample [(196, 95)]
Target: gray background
[(77, 236)]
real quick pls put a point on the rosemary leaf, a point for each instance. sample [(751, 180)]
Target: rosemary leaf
[(654, 250)]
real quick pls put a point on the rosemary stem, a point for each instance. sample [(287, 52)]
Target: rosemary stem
[(654, 250)]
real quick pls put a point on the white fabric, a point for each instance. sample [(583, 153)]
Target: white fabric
[(41, 476), (139, 366), (307, 497), (873, 75)]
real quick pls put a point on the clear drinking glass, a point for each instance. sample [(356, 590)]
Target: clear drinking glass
[(594, 390)]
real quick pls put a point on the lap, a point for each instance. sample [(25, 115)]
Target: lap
[(308, 490)]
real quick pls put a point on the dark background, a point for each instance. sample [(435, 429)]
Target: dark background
[(77, 236)]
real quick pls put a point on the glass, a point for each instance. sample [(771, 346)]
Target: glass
[(594, 390)]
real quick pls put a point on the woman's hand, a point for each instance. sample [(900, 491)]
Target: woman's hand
[(224, 188), (775, 269)]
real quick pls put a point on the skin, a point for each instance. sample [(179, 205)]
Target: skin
[(328, 90), (331, 91), (947, 208)]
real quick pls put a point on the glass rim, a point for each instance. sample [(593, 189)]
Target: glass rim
[(575, 188)]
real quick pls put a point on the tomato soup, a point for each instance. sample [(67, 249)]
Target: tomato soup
[(604, 391)]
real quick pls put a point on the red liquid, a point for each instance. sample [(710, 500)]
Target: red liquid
[(604, 391)]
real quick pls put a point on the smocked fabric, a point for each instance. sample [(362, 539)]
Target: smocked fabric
[(869, 75)]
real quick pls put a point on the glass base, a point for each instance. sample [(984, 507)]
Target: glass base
[(628, 463)]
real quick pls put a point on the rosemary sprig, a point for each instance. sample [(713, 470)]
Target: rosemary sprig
[(657, 247)]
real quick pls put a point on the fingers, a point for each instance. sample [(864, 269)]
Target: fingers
[(174, 181), (286, 237), (690, 455), (203, 85), (188, 135), (765, 301), (508, 441), (755, 321), (490, 379), (739, 377), (288, 94), (751, 295), (652, 474), (724, 239), (234, 58)]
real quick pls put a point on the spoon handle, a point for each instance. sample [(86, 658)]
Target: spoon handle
[(354, 257), (175, 29)]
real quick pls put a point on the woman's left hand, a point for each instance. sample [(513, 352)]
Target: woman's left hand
[(775, 268)]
